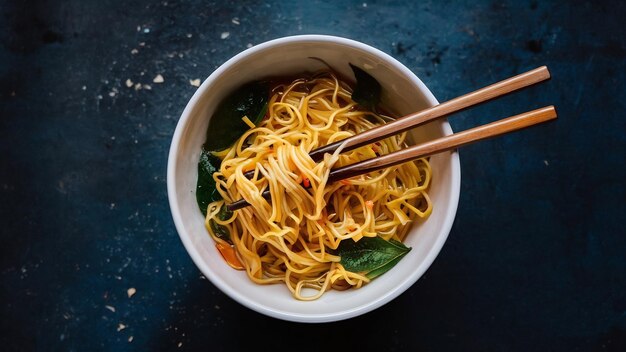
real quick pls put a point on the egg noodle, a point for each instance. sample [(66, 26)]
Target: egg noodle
[(292, 237)]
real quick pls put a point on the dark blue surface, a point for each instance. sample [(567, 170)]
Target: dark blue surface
[(537, 256)]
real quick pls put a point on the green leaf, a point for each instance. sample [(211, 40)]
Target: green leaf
[(205, 188), (226, 125), (367, 91), (206, 192), (219, 230), (372, 256), (383, 269)]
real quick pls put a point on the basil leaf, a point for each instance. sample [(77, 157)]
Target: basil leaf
[(205, 187), (219, 230), (367, 91), (372, 256), (206, 192), (226, 125), (383, 269)]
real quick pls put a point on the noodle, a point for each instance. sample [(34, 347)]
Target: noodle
[(293, 237)]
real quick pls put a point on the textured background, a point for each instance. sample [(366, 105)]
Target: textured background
[(537, 256)]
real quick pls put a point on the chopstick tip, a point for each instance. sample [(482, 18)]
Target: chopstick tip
[(553, 108)]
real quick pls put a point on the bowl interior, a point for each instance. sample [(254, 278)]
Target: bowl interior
[(291, 56)]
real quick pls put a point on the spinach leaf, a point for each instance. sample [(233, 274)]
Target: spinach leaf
[(226, 125), (219, 230), (372, 256), (367, 91), (205, 188)]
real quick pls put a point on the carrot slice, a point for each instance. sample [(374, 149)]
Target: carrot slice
[(229, 255)]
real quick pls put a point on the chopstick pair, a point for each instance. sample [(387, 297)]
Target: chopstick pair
[(439, 145)]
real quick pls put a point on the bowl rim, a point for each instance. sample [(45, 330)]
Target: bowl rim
[(455, 174)]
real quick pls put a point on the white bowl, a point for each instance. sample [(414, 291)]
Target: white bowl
[(290, 56)]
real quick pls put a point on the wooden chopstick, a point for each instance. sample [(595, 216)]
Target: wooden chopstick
[(439, 145), (410, 121), (446, 143)]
